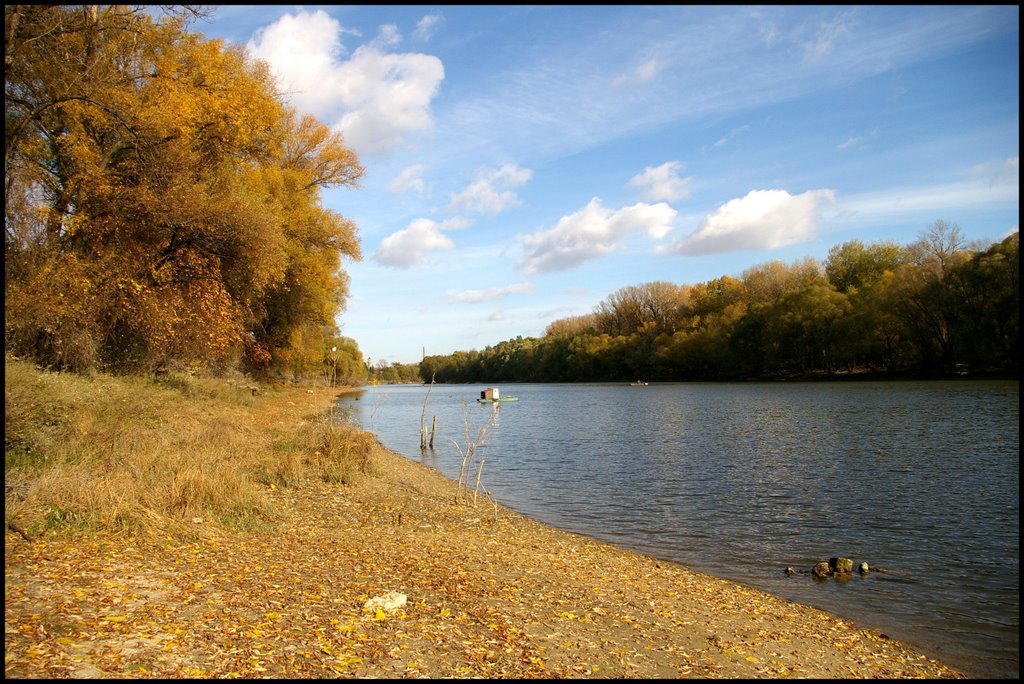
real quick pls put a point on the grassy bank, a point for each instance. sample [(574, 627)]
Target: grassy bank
[(144, 454)]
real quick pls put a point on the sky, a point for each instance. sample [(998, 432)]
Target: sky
[(523, 163)]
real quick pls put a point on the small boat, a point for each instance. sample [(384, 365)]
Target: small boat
[(492, 395), (639, 383)]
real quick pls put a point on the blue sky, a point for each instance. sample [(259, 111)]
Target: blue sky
[(525, 162)]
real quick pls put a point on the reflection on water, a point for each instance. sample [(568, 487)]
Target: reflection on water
[(742, 480)]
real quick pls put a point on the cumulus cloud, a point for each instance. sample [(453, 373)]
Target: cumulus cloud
[(374, 98), (662, 182), (475, 296), (491, 192), (408, 247), (763, 219), (590, 233), (386, 97), (302, 50), (410, 178)]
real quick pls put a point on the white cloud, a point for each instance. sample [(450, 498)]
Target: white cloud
[(858, 142), (387, 36), (887, 204), (489, 194), (825, 41), (662, 182), (426, 26), (590, 233), (644, 73), (375, 98), (763, 219), (387, 96), (410, 178), (475, 296), (998, 171), (302, 50), (409, 246), (731, 135), (456, 223)]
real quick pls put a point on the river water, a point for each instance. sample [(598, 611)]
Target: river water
[(741, 480)]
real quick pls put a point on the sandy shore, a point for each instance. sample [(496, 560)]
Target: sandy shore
[(488, 593)]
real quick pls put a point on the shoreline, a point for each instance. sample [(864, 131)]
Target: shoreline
[(488, 592), (818, 643)]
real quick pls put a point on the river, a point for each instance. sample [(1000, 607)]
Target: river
[(741, 480)]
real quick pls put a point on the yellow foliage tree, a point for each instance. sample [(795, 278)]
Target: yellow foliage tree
[(162, 202)]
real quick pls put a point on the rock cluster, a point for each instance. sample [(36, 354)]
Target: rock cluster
[(837, 567)]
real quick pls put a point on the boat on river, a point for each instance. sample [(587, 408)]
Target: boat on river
[(639, 383), (492, 395)]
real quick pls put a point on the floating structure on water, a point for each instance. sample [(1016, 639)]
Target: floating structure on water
[(492, 395)]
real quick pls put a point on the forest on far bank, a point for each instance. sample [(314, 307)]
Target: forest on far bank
[(937, 307)]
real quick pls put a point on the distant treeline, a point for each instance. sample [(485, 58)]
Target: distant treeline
[(935, 307), (394, 374)]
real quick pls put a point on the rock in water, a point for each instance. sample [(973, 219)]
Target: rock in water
[(841, 566)]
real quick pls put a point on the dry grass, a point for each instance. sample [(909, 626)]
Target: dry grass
[(138, 454)]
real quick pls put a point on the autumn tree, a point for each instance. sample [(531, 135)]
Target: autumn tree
[(342, 361), (853, 265), (921, 296), (767, 282), (981, 294), (571, 326), (162, 203), (725, 296), (654, 307)]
